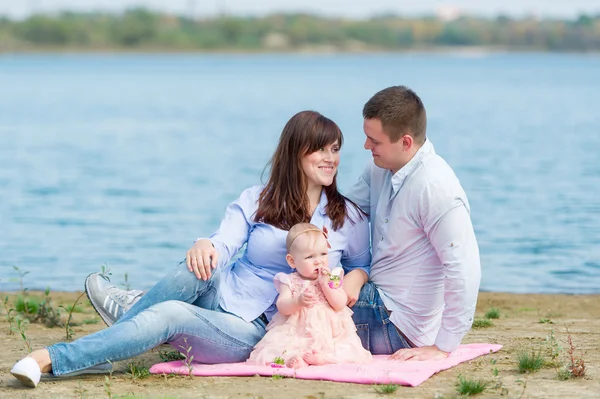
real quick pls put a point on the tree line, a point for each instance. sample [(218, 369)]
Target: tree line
[(142, 29)]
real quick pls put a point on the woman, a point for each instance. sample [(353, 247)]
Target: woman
[(218, 316)]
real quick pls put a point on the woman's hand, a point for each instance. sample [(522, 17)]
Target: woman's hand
[(352, 284), (201, 258)]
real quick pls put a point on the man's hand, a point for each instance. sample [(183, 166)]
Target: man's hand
[(201, 258), (422, 353)]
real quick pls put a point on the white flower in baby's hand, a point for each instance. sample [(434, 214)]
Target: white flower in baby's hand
[(336, 277)]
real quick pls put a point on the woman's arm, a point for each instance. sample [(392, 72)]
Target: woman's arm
[(216, 251), (356, 258), (352, 285)]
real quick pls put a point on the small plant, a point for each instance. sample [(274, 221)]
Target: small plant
[(563, 373), (138, 370), (545, 321), (21, 325), (524, 382), (80, 391), (577, 366), (46, 313), (126, 284), (27, 306), (105, 273), (554, 350), (494, 369), (468, 387), (528, 362), (277, 377), (482, 323), (9, 317), (107, 383), (279, 360), (68, 325), (386, 389), (188, 357), (493, 313), (170, 356), (90, 321), (20, 279)]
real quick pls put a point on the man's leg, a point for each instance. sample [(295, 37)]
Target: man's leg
[(374, 327)]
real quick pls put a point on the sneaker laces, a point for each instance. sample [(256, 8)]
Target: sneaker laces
[(122, 295)]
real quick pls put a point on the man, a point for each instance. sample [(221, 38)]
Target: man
[(425, 274), (425, 271)]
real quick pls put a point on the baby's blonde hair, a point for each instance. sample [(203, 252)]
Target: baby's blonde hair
[(299, 229)]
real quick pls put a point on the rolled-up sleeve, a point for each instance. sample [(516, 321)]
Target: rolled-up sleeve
[(453, 239), (235, 227), (357, 254)]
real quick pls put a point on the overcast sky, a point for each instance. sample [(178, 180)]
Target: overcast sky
[(348, 8)]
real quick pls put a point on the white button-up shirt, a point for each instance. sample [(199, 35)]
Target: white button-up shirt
[(425, 258)]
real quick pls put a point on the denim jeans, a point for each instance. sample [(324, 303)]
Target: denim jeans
[(377, 333), (180, 310)]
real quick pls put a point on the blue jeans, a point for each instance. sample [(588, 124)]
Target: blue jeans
[(374, 327), (180, 310)]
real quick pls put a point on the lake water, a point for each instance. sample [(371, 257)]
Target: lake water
[(125, 159)]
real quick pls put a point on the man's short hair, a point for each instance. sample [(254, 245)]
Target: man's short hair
[(400, 111)]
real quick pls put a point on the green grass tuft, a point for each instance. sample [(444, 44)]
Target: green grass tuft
[(482, 323), (530, 361), (468, 387), (138, 371), (493, 313), (386, 389)]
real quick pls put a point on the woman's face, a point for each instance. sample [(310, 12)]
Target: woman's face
[(320, 166)]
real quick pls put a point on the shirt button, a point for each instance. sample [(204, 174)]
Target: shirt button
[(386, 220), (381, 238)]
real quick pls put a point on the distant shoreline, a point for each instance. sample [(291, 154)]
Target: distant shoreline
[(463, 50)]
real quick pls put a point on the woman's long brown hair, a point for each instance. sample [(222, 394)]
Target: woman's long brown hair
[(284, 202)]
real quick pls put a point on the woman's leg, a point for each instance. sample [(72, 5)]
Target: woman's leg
[(214, 336), (179, 284)]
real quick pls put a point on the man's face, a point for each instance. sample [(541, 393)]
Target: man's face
[(386, 155)]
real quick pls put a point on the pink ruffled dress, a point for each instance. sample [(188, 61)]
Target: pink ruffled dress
[(318, 328)]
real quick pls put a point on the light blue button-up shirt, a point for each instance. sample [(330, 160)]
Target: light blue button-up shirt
[(425, 255), (247, 288)]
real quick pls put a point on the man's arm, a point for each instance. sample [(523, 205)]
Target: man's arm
[(453, 239), (360, 192)]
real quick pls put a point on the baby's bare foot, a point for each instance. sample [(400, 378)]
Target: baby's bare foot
[(315, 359), (296, 362)]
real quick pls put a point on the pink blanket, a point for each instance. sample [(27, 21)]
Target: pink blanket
[(380, 371)]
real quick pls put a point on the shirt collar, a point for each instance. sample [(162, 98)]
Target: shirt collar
[(401, 175)]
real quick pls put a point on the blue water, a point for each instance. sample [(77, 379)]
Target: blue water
[(125, 159)]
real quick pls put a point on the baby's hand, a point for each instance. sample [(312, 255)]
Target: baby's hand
[(323, 278), (307, 299)]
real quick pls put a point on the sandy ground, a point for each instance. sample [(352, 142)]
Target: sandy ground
[(524, 324)]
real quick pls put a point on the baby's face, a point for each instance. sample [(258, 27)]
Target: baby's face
[(310, 254)]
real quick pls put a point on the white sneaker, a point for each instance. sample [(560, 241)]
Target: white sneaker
[(27, 371), (107, 299)]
